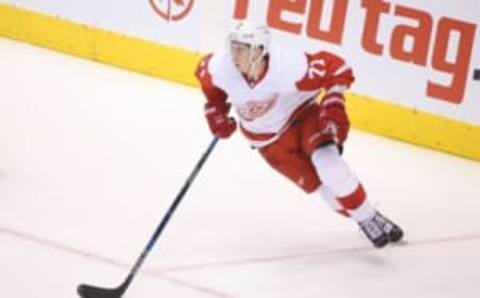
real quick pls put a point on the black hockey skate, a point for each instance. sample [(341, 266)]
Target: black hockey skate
[(393, 231), (380, 230), (374, 232)]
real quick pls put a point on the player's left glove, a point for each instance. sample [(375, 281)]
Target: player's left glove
[(333, 121)]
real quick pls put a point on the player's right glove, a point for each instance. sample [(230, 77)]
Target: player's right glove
[(220, 124), (333, 120)]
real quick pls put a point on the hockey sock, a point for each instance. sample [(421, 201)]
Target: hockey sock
[(341, 188)]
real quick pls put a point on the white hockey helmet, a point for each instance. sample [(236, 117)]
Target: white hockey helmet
[(255, 35)]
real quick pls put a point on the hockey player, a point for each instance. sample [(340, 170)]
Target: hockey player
[(291, 107)]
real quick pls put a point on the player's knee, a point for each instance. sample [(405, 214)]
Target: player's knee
[(333, 170), (328, 158)]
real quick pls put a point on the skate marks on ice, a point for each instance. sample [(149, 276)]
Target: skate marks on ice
[(57, 246), (322, 252), (157, 272)]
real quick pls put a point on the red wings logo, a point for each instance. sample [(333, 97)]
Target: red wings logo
[(255, 109), (172, 10)]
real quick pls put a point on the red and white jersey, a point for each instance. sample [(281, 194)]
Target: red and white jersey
[(265, 109)]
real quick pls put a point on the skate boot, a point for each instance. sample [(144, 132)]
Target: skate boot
[(393, 231), (374, 232)]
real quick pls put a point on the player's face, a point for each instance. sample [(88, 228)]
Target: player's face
[(240, 55)]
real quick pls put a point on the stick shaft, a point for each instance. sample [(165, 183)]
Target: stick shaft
[(168, 215)]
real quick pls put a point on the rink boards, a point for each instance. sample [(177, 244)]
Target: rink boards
[(422, 92)]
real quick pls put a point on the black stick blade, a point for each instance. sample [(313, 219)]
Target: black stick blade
[(87, 291)]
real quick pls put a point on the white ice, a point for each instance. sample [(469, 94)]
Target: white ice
[(91, 156)]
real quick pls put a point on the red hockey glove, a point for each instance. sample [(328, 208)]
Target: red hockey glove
[(220, 124), (333, 120)]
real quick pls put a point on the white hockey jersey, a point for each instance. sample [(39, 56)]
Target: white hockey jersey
[(292, 79)]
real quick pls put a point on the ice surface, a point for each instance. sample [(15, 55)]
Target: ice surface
[(91, 156)]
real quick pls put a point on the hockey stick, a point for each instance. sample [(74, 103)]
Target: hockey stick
[(89, 291)]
